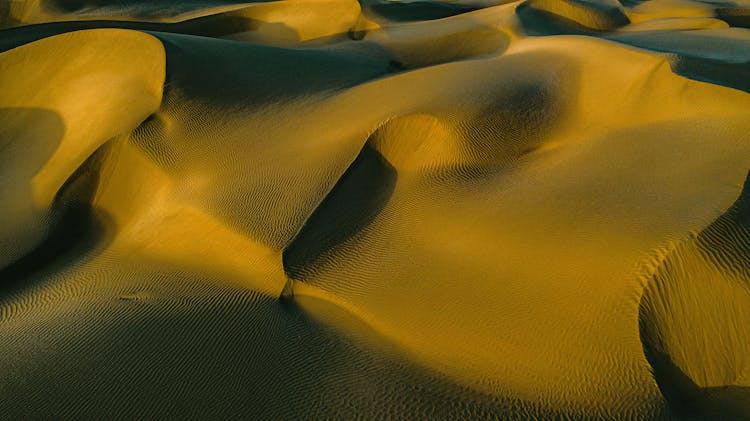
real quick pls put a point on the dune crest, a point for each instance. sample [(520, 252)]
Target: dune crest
[(50, 106), (692, 314)]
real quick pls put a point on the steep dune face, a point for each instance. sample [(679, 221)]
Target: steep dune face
[(434, 42), (54, 116), (231, 91), (338, 209), (693, 317), (499, 178), (597, 15)]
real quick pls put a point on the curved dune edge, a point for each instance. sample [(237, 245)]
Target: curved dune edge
[(303, 19), (691, 315), (122, 183), (365, 291), (53, 90)]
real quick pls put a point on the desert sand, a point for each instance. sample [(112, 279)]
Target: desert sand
[(339, 209)]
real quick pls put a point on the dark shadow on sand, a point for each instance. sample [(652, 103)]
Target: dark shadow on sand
[(698, 54), (719, 242), (76, 230), (356, 199), (414, 11), (217, 25)]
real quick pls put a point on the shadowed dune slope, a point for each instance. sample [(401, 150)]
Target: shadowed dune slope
[(278, 23), (693, 317), (50, 99), (712, 55), (498, 178), (473, 209)]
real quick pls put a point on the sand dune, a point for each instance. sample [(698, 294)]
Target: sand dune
[(380, 209), (703, 282)]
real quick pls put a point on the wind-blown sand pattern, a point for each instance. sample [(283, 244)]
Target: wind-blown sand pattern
[(345, 209)]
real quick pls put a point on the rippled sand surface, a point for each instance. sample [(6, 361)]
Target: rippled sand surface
[(316, 209)]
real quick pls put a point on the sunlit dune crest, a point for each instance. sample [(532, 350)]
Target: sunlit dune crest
[(341, 209)]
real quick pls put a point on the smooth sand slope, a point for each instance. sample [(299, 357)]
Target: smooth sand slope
[(379, 209)]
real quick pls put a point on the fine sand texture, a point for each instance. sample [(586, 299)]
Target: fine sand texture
[(375, 209)]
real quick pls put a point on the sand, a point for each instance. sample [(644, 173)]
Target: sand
[(379, 209)]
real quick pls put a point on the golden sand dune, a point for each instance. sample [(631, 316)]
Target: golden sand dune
[(376, 209)]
